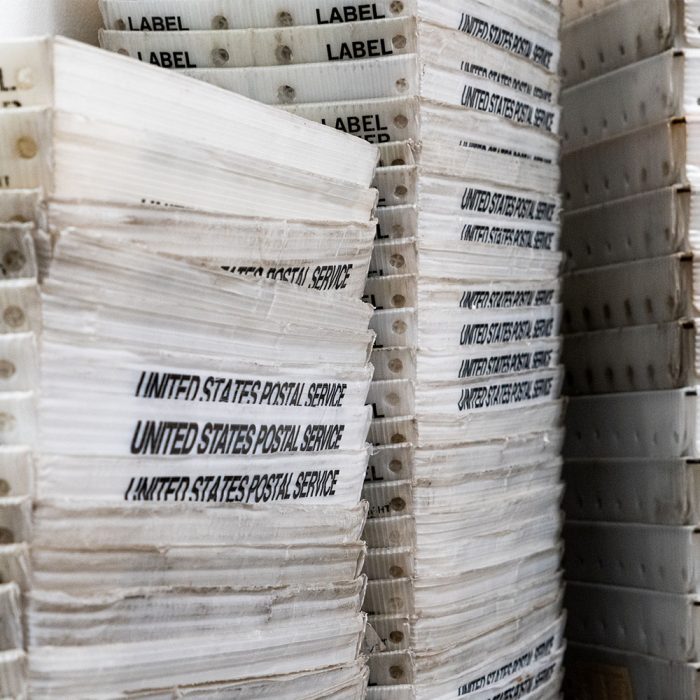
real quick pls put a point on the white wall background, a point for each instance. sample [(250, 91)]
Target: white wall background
[(78, 19)]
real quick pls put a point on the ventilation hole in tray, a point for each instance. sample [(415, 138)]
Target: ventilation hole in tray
[(286, 93), (396, 366), (397, 261), (396, 465), (399, 327), (393, 399), (13, 316), (284, 54), (14, 260), (398, 504), (396, 603), (220, 57)]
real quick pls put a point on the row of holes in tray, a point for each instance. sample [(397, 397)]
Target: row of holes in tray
[(283, 53), (284, 18)]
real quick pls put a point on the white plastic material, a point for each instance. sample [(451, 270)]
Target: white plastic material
[(138, 615), (73, 66), (102, 569), (265, 47), (641, 161), (652, 557), (573, 10), (16, 472), (633, 358), (643, 93), (318, 82), (528, 644), (454, 50), (287, 480), (13, 673), (321, 256), (658, 290), (394, 76), (647, 425), (619, 34), (646, 622), (658, 492), (349, 680), (214, 658), (93, 525), (18, 206), (494, 22), (648, 225), (501, 157), (392, 668), (86, 155), (11, 636)]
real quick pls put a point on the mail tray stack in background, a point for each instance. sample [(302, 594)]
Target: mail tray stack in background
[(185, 370), (464, 591), (631, 140)]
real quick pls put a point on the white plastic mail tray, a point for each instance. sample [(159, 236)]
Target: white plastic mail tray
[(653, 557), (665, 625), (653, 491), (648, 225), (645, 424), (632, 358)]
